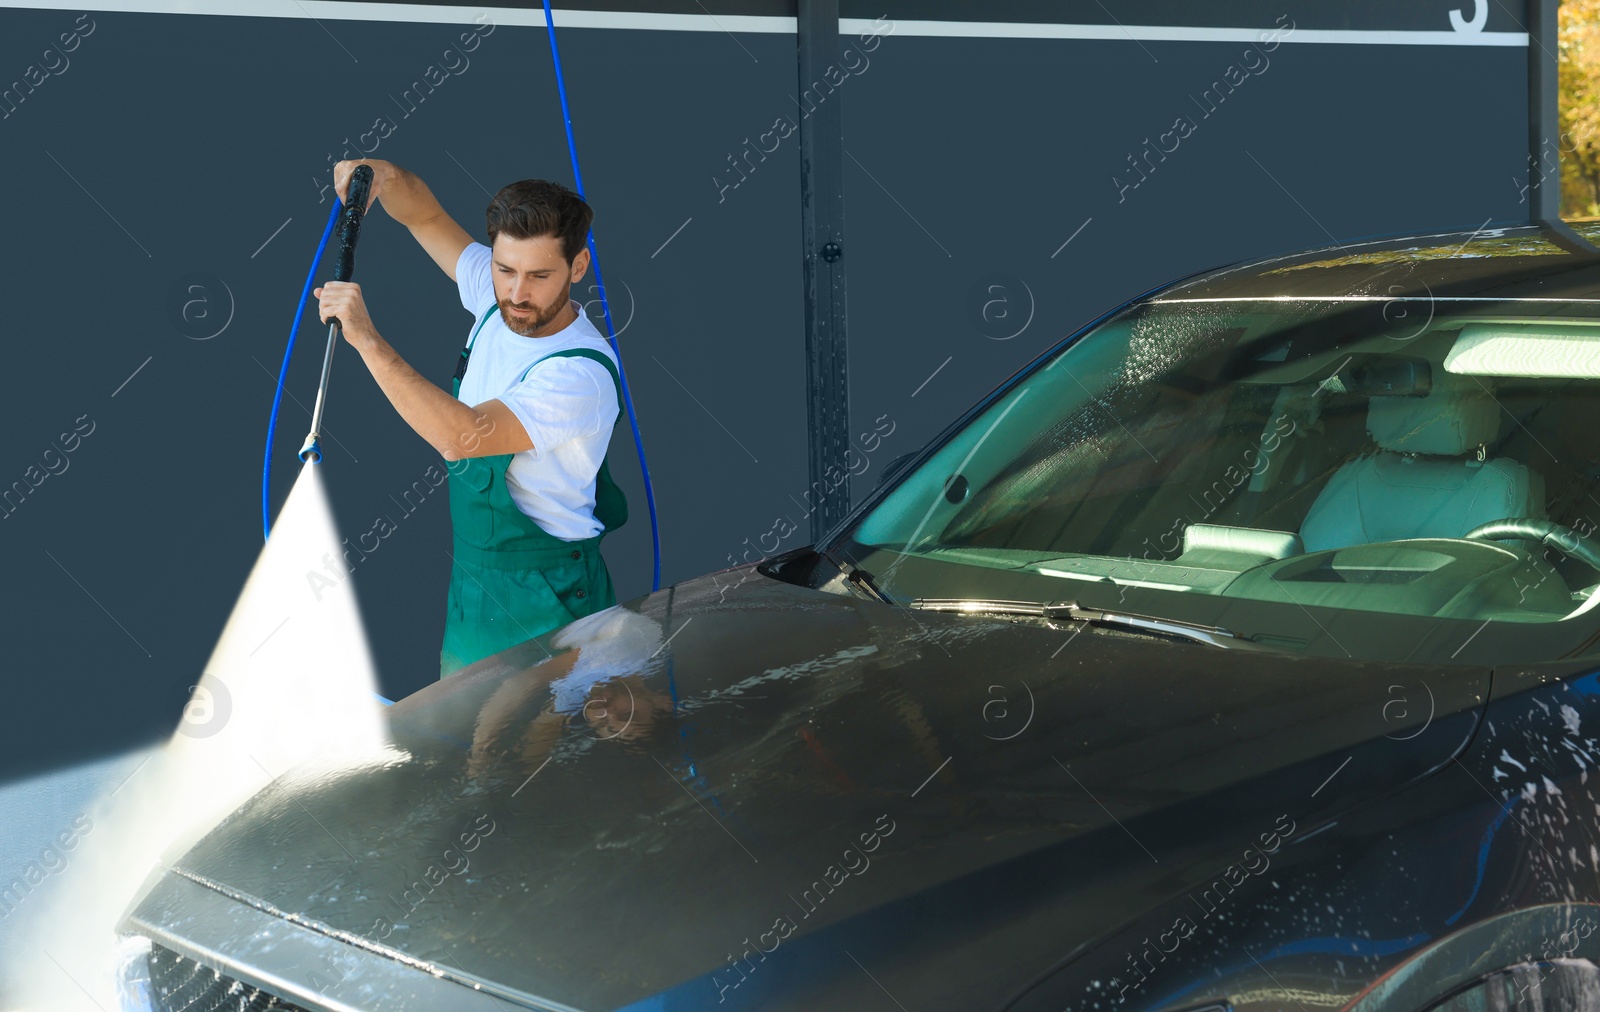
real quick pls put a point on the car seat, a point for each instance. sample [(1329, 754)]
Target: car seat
[(1429, 477)]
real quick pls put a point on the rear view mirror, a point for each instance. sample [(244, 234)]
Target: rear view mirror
[(1384, 376)]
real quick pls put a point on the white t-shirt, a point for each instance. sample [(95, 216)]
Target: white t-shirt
[(567, 405)]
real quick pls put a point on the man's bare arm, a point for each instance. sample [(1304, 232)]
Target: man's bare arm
[(456, 430), (409, 201)]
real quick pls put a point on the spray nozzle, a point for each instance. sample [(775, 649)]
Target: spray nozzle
[(349, 232)]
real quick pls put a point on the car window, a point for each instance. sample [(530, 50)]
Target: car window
[(1311, 453), (1556, 985)]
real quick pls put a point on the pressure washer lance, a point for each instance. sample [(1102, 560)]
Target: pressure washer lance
[(344, 266)]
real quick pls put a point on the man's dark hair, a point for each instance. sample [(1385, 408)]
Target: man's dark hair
[(530, 208)]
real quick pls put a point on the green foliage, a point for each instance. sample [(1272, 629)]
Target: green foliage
[(1579, 76)]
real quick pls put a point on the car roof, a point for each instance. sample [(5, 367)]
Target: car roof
[(1513, 262)]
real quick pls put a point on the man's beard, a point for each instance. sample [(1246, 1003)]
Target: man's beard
[(526, 325)]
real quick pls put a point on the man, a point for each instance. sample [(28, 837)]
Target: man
[(529, 418)]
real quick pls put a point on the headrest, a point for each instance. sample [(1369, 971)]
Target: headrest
[(1456, 417)]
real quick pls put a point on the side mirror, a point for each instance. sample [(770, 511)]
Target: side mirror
[(893, 468)]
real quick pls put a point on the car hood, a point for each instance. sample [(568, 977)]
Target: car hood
[(654, 798)]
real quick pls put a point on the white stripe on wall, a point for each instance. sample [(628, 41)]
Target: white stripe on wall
[(354, 10), (1176, 33)]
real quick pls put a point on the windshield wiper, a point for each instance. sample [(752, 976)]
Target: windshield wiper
[(1210, 635), (856, 577)]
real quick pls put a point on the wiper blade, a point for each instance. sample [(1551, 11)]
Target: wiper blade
[(857, 578), (978, 606), (1210, 635)]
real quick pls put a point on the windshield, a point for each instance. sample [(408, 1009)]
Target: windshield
[(1321, 475)]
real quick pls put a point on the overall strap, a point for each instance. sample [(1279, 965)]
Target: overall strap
[(588, 353), (461, 366)]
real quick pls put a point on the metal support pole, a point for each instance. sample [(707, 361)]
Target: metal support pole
[(1544, 113), (822, 238)]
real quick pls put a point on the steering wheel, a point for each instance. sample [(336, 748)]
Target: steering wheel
[(1564, 539)]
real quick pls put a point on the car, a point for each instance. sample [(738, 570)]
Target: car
[(1241, 652)]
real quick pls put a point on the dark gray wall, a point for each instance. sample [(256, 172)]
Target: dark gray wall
[(171, 147), (986, 156)]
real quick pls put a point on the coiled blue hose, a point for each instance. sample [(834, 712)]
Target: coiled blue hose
[(611, 336)]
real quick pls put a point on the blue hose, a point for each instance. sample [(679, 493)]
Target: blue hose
[(611, 336), (283, 372)]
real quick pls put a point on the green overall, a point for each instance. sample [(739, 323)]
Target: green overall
[(511, 580)]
